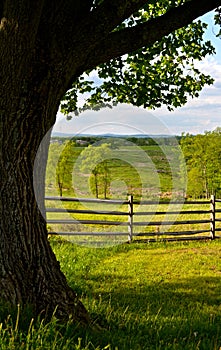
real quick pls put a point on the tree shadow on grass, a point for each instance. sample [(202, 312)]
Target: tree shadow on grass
[(163, 315)]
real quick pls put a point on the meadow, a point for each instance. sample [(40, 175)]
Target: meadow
[(162, 295), (148, 172), (145, 171), (142, 296)]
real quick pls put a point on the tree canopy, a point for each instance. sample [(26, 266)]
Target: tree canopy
[(93, 160), (160, 71), (203, 159)]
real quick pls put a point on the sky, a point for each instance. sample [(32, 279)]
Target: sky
[(198, 115)]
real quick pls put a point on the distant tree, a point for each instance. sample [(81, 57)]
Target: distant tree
[(132, 139), (53, 156), (94, 160), (59, 165), (196, 183), (203, 159), (64, 167)]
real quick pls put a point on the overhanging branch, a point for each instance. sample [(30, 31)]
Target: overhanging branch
[(131, 39), (111, 13), (92, 29), (78, 29)]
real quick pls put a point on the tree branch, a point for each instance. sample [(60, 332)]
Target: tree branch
[(111, 13), (76, 25), (93, 27), (130, 39)]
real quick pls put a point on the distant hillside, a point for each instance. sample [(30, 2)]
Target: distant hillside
[(64, 135)]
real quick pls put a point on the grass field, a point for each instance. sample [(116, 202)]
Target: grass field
[(148, 172), (145, 171), (146, 296)]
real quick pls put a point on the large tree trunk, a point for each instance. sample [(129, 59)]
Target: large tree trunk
[(29, 272), (30, 92)]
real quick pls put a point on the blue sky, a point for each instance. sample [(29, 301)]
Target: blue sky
[(198, 115)]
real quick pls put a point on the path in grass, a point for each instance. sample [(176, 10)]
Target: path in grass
[(156, 296)]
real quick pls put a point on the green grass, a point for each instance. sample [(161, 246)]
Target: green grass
[(135, 173), (146, 296)]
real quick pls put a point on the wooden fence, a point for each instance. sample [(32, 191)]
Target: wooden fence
[(137, 225)]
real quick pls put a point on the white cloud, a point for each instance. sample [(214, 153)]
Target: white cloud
[(202, 113)]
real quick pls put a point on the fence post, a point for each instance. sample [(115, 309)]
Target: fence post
[(213, 216), (130, 218)]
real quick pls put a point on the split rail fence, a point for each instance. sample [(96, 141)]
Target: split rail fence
[(196, 220)]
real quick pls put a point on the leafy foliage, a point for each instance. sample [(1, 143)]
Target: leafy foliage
[(94, 161), (218, 20), (59, 166), (163, 74), (203, 159)]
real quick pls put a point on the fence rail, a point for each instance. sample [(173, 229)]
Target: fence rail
[(137, 223)]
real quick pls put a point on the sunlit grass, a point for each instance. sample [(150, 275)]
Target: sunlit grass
[(146, 296), (136, 173), (165, 296)]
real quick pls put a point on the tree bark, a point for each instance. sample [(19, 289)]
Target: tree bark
[(31, 91), (29, 271)]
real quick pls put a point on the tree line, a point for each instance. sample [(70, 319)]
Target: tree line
[(202, 154)]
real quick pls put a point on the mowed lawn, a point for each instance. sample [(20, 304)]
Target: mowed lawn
[(149, 296), (142, 296)]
